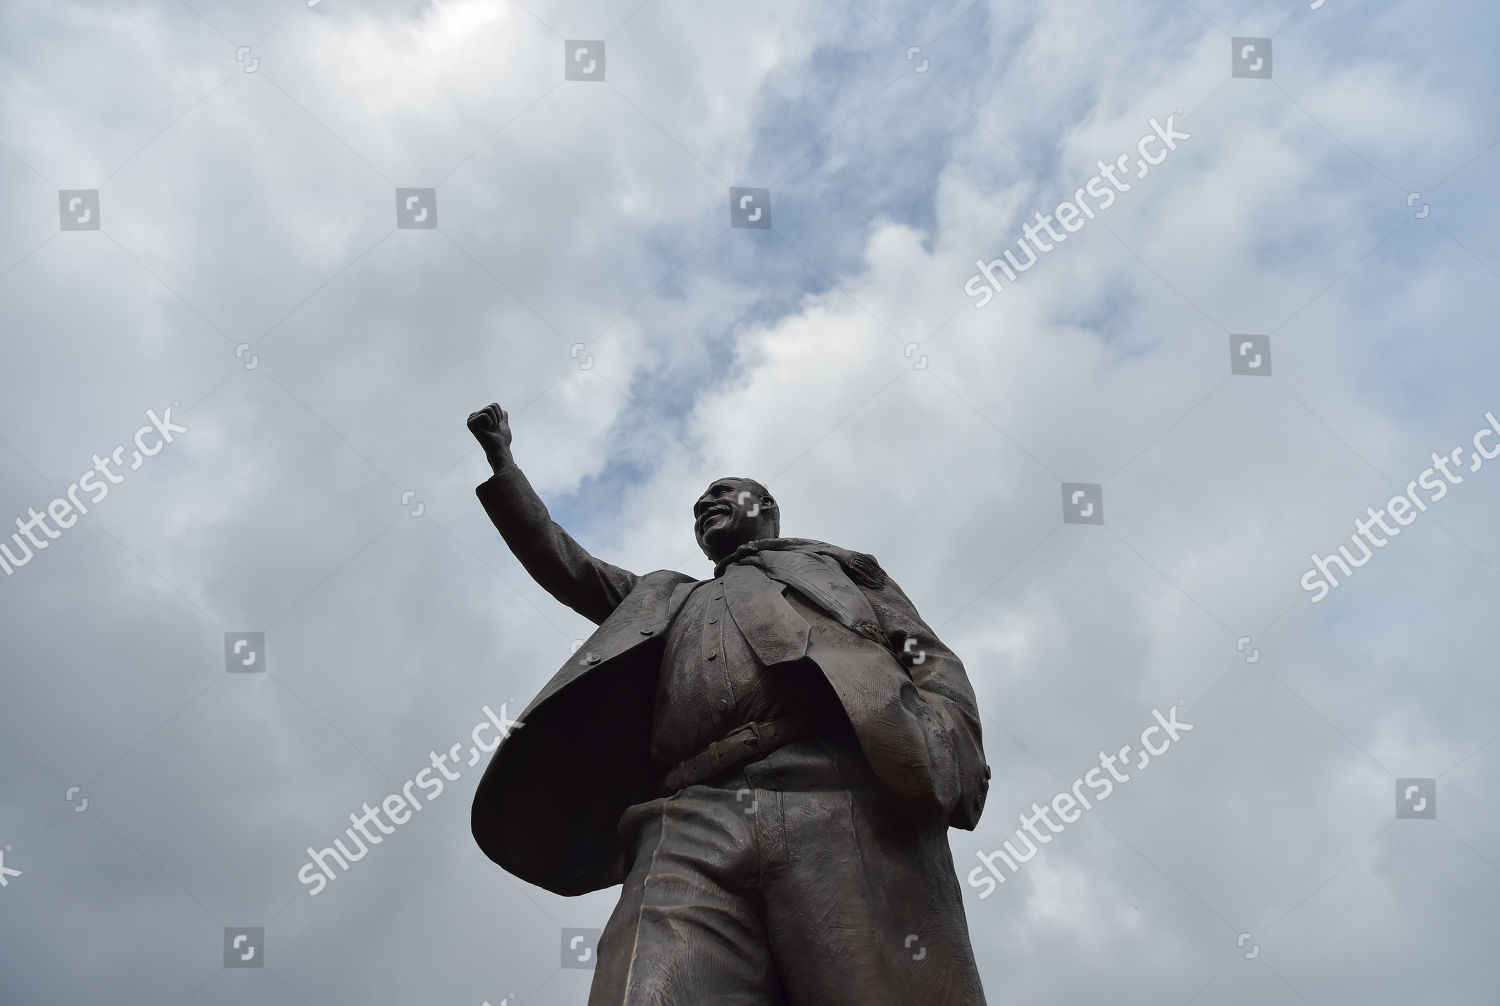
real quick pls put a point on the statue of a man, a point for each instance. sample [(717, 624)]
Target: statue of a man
[(768, 761)]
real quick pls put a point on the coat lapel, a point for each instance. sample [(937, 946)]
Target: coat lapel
[(774, 631)]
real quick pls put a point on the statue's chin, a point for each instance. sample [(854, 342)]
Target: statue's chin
[(717, 547)]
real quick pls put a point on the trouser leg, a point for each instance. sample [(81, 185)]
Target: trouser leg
[(689, 929), (863, 905)]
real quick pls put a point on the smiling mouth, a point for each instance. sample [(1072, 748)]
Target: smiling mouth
[(708, 515)]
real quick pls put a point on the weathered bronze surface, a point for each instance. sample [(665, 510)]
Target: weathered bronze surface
[(767, 761)]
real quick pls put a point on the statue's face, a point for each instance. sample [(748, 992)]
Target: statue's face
[(731, 512)]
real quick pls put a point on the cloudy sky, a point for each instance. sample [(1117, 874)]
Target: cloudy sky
[(201, 214)]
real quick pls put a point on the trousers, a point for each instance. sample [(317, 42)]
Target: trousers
[(792, 881)]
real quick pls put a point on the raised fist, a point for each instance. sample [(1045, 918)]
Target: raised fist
[(491, 427)]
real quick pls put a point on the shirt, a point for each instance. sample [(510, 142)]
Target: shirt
[(711, 682)]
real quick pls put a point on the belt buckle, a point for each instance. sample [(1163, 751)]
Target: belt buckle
[(716, 754), (717, 751)]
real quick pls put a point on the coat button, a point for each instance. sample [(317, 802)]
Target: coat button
[(713, 619), (723, 704), (647, 632), (592, 658), (986, 771), (712, 654)]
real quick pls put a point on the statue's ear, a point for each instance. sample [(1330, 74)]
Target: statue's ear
[(768, 502)]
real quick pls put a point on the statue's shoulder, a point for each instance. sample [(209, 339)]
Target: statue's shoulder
[(670, 575), (665, 580), (864, 569)]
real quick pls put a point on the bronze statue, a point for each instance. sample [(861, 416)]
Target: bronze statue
[(768, 761)]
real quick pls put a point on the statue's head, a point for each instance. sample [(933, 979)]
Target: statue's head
[(731, 512)]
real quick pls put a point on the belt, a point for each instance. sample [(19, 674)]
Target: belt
[(742, 746)]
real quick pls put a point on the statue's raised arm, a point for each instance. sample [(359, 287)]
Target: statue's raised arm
[(560, 565)]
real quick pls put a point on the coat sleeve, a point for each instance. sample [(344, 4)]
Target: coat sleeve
[(943, 708), (561, 566)]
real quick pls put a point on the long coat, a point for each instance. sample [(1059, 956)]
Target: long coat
[(549, 803)]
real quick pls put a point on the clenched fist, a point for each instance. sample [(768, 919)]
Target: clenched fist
[(491, 427)]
